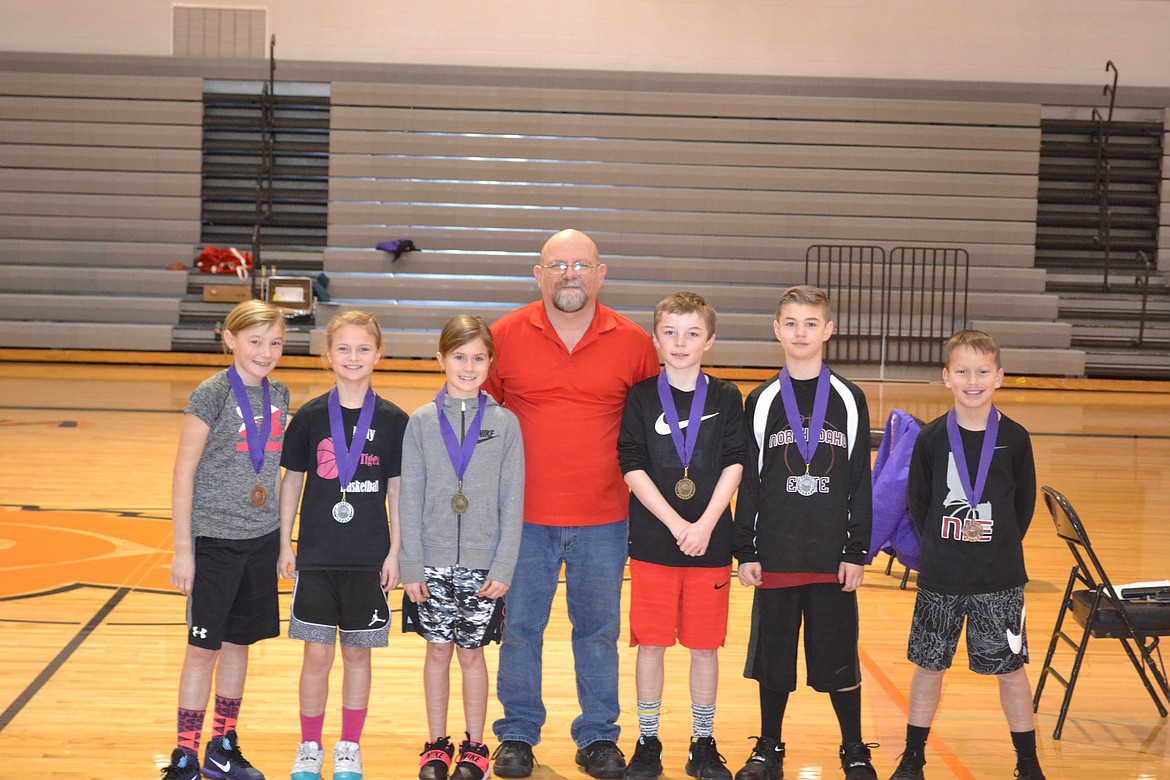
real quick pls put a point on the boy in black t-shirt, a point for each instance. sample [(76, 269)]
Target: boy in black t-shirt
[(681, 449), (802, 529), (971, 493)]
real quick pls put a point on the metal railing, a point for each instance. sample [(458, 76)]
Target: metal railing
[(1143, 281), (1101, 175), (891, 309)]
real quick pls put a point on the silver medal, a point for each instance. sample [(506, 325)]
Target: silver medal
[(343, 511), (806, 484)]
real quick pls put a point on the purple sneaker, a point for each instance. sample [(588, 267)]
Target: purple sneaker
[(224, 761)]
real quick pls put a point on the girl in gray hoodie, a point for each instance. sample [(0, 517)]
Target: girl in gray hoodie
[(461, 508)]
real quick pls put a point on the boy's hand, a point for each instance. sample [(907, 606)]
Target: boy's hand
[(693, 539), (751, 575), (183, 572), (390, 577), (416, 591), (850, 576), (492, 589), (286, 564)]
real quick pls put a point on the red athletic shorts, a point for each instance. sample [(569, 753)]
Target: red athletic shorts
[(687, 604)]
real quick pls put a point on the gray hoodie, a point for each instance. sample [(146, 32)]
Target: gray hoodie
[(487, 535)]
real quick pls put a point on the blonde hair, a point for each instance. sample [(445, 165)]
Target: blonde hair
[(359, 319), (805, 295), (251, 314), (686, 303), (977, 340), (464, 329)]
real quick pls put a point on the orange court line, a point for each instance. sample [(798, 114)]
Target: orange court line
[(940, 746)]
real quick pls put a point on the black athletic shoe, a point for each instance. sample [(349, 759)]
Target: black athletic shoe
[(513, 758), (646, 763), (910, 767), (855, 759), (183, 766), (224, 761), (1029, 768), (704, 761), (765, 763), (434, 762), (603, 759)]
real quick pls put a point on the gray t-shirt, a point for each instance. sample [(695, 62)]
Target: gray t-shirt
[(225, 478)]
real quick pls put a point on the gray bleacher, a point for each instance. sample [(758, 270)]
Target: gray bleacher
[(717, 185), (99, 193), (718, 193)]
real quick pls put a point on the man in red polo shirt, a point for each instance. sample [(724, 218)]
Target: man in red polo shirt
[(565, 365)]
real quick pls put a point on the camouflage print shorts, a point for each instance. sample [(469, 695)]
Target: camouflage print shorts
[(455, 612)]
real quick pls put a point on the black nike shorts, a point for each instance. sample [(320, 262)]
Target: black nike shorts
[(996, 640), (829, 615)]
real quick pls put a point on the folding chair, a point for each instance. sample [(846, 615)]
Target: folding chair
[(1091, 600)]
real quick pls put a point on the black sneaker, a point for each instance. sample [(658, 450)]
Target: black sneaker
[(224, 761), (473, 760), (435, 759), (855, 758), (183, 766), (910, 767), (647, 761), (765, 763), (1029, 768), (602, 758), (513, 758), (704, 761)]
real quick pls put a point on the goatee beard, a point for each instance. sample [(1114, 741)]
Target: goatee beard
[(570, 299)]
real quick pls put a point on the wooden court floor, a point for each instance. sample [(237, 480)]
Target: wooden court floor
[(92, 635)]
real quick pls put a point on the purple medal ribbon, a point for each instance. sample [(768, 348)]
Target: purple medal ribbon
[(806, 439), (257, 436), (349, 457), (460, 453), (985, 455), (684, 443)]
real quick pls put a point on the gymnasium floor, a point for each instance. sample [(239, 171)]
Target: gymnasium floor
[(92, 637)]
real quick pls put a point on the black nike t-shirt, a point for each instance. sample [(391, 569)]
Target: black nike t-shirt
[(645, 443)]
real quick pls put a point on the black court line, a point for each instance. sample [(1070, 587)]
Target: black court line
[(51, 668)]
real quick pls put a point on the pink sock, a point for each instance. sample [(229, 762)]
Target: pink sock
[(311, 726), (352, 722)]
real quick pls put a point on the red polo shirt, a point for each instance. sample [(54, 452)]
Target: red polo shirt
[(570, 409)]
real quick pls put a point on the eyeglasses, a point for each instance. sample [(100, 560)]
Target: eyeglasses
[(579, 267)]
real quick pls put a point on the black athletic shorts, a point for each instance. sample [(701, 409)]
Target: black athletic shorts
[(233, 598), (829, 615), (327, 600)]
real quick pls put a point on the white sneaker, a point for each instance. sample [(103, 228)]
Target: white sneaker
[(310, 757), (347, 761)]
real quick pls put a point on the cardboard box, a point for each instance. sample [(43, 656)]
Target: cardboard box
[(227, 293)]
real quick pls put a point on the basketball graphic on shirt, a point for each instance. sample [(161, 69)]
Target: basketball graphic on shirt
[(326, 460)]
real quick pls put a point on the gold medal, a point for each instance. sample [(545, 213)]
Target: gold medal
[(259, 496), (685, 487), (459, 503)]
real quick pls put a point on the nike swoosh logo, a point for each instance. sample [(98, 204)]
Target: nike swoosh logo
[(721, 587), (223, 767), (662, 429), (1016, 641)]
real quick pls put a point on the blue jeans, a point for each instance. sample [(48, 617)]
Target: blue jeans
[(594, 559)]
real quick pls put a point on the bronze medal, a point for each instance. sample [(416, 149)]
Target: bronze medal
[(459, 503), (259, 496), (972, 530), (685, 488)]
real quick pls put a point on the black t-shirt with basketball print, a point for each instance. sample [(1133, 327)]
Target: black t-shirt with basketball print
[(364, 542)]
